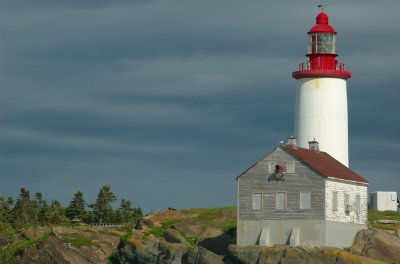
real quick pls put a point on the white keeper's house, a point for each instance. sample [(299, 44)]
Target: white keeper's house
[(299, 196)]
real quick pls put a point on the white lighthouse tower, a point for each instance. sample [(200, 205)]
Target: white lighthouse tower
[(321, 101)]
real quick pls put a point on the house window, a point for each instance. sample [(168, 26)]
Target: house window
[(334, 200), (347, 205), (358, 204), (271, 166), (305, 200), (257, 201), (290, 166), (281, 200)]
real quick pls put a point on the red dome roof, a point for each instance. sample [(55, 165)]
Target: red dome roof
[(322, 18), (322, 25)]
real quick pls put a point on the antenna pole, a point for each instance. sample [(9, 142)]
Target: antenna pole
[(322, 5)]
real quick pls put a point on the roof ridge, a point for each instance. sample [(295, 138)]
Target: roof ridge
[(324, 163)]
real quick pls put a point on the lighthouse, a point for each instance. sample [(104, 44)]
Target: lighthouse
[(321, 99), (304, 194)]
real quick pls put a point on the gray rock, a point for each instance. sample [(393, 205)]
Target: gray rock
[(4, 241), (294, 255), (201, 255), (148, 250), (377, 244), (35, 233), (248, 254), (173, 236)]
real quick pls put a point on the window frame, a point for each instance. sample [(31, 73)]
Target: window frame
[(284, 203), (271, 166), (290, 166), (309, 201), (322, 43), (253, 208), (335, 198), (358, 204)]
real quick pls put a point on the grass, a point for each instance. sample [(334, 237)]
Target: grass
[(124, 239), (374, 216), (7, 231), (79, 240), (205, 214), (108, 233), (159, 230), (212, 218), (189, 239)]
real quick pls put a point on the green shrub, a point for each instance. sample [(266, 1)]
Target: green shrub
[(230, 230)]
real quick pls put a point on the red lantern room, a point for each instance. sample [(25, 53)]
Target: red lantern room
[(321, 57)]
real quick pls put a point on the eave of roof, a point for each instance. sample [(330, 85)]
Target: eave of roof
[(255, 163)]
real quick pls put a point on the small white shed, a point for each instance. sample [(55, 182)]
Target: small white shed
[(384, 201)]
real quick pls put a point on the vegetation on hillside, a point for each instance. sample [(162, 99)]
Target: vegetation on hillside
[(203, 218), (37, 211), (8, 252), (195, 225)]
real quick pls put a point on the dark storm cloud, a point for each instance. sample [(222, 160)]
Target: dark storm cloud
[(172, 99)]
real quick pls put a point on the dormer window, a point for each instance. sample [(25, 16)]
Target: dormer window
[(290, 166), (271, 166), (279, 172), (279, 169)]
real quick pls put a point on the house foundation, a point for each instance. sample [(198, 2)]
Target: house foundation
[(303, 232)]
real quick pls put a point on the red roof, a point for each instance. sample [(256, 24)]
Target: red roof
[(322, 25), (325, 164)]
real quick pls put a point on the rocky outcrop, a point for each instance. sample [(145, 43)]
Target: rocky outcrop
[(86, 245), (294, 255), (201, 255), (377, 244), (149, 249), (141, 248), (193, 236), (64, 245)]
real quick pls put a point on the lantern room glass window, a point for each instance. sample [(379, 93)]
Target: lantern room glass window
[(321, 43)]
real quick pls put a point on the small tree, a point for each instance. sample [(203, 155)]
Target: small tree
[(76, 208), (57, 212), (10, 201), (117, 217), (23, 212), (138, 212), (126, 211), (102, 209), (89, 217), (44, 215), (5, 211), (37, 204)]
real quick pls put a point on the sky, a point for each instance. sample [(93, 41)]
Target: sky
[(169, 101)]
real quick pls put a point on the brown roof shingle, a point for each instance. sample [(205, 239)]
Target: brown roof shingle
[(325, 164)]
